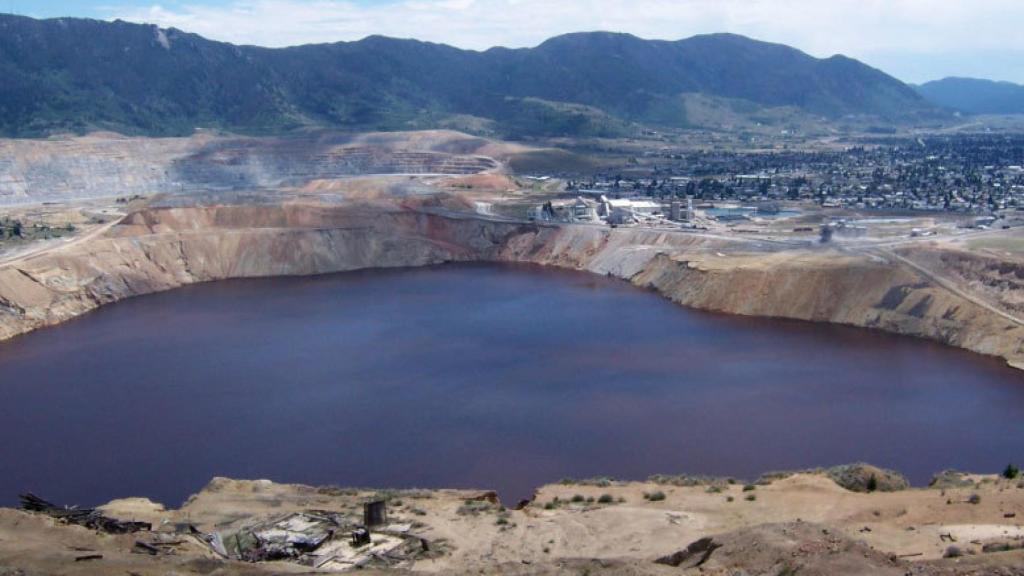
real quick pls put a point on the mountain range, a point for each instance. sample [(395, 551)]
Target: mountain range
[(975, 96), (78, 75)]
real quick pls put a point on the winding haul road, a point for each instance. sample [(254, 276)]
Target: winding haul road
[(948, 284), (47, 247)]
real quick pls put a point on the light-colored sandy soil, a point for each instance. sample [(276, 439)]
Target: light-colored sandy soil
[(804, 523)]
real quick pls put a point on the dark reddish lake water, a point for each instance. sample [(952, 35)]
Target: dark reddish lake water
[(473, 376)]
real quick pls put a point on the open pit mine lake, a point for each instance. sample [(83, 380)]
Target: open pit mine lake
[(481, 376)]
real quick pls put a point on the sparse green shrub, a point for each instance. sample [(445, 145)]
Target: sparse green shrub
[(654, 496), (749, 487), (857, 478), (578, 498), (872, 483), (750, 497), (337, 491), (1011, 472), (474, 507), (770, 477), (949, 479), (605, 499), (599, 481), (686, 480)]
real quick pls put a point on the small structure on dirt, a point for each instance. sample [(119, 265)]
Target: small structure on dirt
[(375, 513), (360, 537)]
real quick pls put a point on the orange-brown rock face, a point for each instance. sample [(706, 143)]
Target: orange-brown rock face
[(165, 247)]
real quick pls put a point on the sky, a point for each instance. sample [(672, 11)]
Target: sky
[(914, 40)]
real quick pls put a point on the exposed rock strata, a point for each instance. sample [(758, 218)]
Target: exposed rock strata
[(162, 248), (106, 165)]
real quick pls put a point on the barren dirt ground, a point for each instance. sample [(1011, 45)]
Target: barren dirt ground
[(804, 523)]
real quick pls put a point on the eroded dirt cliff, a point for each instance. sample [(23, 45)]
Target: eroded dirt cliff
[(171, 244)]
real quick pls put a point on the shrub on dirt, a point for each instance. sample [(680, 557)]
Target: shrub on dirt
[(599, 481), (867, 478), (770, 477), (474, 507), (950, 479), (686, 480), (1011, 472)]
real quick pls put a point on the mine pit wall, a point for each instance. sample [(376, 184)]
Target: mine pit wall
[(819, 286), (101, 166), (160, 249)]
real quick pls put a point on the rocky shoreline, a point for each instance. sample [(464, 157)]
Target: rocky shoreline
[(163, 247)]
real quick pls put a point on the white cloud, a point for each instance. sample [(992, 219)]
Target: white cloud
[(900, 33)]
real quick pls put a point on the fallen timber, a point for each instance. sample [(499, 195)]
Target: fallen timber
[(88, 517)]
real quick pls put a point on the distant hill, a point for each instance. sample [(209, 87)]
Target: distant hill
[(976, 96), (77, 75)]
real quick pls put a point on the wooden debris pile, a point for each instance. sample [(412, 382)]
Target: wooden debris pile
[(286, 538), (88, 517), (694, 555), (325, 541)]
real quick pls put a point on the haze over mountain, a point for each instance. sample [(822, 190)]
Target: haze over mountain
[(77, 75), (976, 96)]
